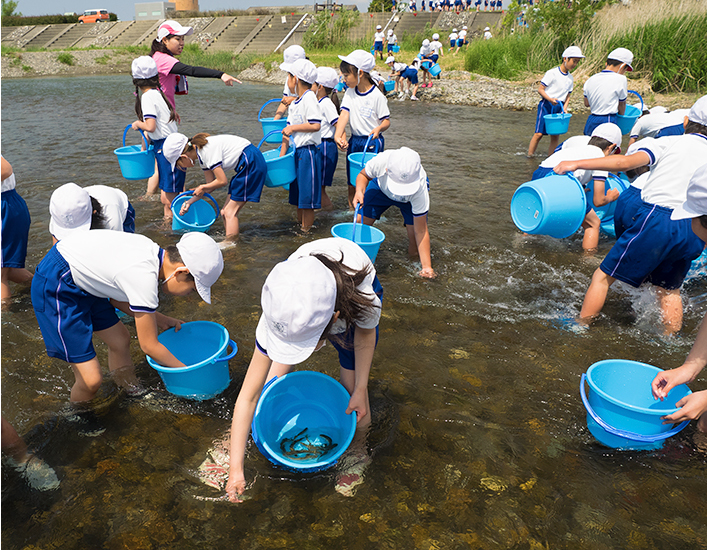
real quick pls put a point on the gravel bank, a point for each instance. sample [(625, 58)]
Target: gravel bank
[(82, 62)]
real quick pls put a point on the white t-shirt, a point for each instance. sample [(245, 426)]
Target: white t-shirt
[(392, 39), (302, 110), (377, 167), (112, 264), (435, 47), (399, 67), (379, 36), (649, 125), (487, 35), (604, 91), (8, 183), (354, 258), (154, 106), (557, 84), (329, 118), (365, 110), (222, 150), (426, 50), (453, 36), (674, 160), (114, 203), (462, 34), (580, 152)]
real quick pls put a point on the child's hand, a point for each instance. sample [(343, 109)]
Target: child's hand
[(564, 167), (342, 143), (692, 407), (199, 192), (136, 125), (235, 487), (358, 403), (427, 273), (287, 131), (228, 80), (165, 322), (612, 195), (185, 208), (375, 133)]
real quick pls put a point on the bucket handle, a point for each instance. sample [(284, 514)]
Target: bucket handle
[(622, 433), (365, 149), (267, 103), (634, 92), (125, 134), (271, 133), (231, 355), (206, 196), (355, 222)]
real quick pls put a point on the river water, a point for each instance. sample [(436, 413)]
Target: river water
[(479, 437)]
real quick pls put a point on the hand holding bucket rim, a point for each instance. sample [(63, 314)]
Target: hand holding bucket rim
[(146, 144)]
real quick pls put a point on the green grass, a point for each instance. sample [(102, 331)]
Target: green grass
[(65, 58), (219, 60), (503, 57)]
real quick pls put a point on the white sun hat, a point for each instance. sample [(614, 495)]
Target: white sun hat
[(202, 257)]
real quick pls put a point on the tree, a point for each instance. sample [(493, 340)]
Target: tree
[(9, 7), (380, 5)]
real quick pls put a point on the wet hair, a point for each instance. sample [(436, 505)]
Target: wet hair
[(154, 84), (600, 142), (351, 303), (695, 128), (347, 68), (98, 219), (176, 258)]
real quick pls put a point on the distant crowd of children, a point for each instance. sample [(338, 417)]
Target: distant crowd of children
[(454, 5)]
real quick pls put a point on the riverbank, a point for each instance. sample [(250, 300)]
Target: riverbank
[(457, 87)]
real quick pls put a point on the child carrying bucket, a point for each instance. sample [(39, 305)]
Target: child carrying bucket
[(554, 89), (88, 274), (327, 79), (396, 178), (326, 290), (605, 93), (157, 117), (303, 124), (289, 56), (605, 140), (364, 107), (217, 155)]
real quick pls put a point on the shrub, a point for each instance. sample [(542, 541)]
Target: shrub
[(65, 58)]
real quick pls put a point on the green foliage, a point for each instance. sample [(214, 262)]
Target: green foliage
[(8, 9), (380, 5), (65, 58), (326, 31), (220, 60), (413, 40), (503, 57)]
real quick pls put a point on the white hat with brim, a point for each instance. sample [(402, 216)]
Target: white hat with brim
[(405, 173), (360, 59), (202, 257), (657, 110), (390, 59), (70, 210), (573, 51), (610, 132), (290, 55), (623, 55), (298, 300), (698, 112), (304, 70), (173, 147), (695, 204), (327, 77), (144, 68), (172, 27), (487, 29)]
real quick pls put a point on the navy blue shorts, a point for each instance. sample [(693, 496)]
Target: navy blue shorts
[(545, 108), (347, 358), (627, 206), (247, 184), (541, 172), (171, 181), (67, 315), (330, 157), (129, 221), (378, 46), (676, 130), (595, 120), (410, 74), (357, 144), (15, 229), (653, 249), (375, 203), (390, 47), (306, 190), (434, 57)]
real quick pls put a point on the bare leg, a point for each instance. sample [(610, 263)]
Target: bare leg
[(120, 364), (307, 218), (671, 309), (326, 201), (352, 192), (592, 225), (412, 242), (88, 380), (534, 144), (12, 443), (153, 183), (554, 142), (167, 199), (230, 217), (596, 295)]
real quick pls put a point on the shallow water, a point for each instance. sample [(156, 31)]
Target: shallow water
[(479, 437)]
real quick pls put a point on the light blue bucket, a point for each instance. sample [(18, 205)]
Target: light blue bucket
[(299, 412), (202, 346), (200, 217), (553, 205), (136, 164), (435, 69), (369, 238), (396, 48), (281, 169), (358, 160), (621, 410), (630, 116), (389, 85), (557, 123), (271, 127)]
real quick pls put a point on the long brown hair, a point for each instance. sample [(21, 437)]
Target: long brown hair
[(154, 84), (331, 92), (197, 142)]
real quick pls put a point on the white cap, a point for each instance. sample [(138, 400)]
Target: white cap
[(464, 27), (70, 210), (405, 175), (435, 36), (360, 59), (487, 29), (610, 132), (173, 147), (290, 55), (298, 301), (623, 55), (144, 67), (696, 202), (376, 77), (454, 30), (378, 27), (304, 70), (698, 112), (426, 42), (657, 110), (572, 51), (172, 27), (389, 59), (327, 77), (390, 31), (203, 259)]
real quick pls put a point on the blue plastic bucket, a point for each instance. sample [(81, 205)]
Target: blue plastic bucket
[(631, 114), (358, 160), (202, 346), (136, 164), (272, 129), (557, 123), (435, 69), (396, 48), (425, 65), (341, 87), (554, 206), (281, 169), (367, 237), (302, 412), (621, 411), (200, 217), (389, 85)]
